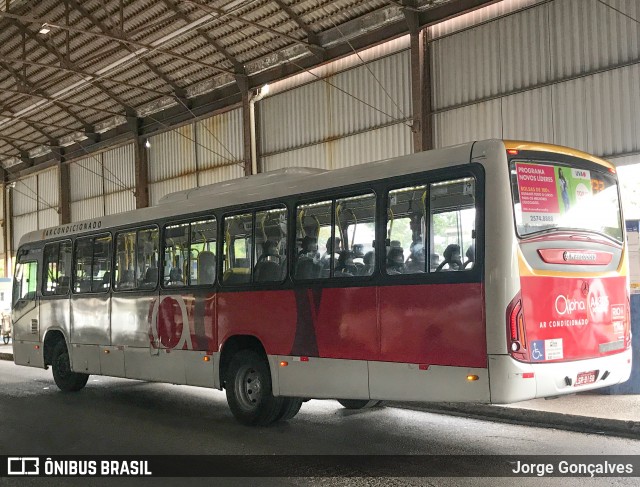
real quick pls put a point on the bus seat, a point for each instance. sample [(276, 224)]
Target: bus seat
[(416, 260), (369, 260), (345, 266), (175, 277), (206, 267), (127, 280), (451, 258), (236, 275), (307, 268), (395, 259), (106, 280), (150, 278), (471, 256), (268, 268), (64, 283)]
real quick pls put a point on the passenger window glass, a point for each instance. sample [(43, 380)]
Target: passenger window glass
[(25, 281), (453, 214), (406, 231), (125, 261), (147, 258), (92, 264), (313, 233), (271, 245), (101, 264), (57, 265), (84, 256), (202, 252), (176, 255), (237, 249), (355, 237)]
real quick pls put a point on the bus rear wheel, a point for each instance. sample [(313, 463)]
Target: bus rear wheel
[(290, 407), (358, 403), (249, 392), (66, 379)]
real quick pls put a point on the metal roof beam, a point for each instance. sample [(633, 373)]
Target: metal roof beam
[(12, 116), (118, 38), (237, 66), (222, 13), (178, 90), (312, 38)]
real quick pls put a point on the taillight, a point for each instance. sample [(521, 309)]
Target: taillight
[(516, 333)]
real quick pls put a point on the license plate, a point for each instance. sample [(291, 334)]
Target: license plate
[(586, 378)]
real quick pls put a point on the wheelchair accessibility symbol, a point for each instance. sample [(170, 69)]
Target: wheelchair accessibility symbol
[(537, 350)]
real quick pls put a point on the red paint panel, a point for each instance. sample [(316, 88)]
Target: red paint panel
[(575, 256), (347, 324), (438, 324), (268, 315), (171, 311), (574, 318)]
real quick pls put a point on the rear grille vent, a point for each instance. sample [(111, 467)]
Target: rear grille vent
[(34, 327)]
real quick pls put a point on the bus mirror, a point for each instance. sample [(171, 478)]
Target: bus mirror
[(473, 233)]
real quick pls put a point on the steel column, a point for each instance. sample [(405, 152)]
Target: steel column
[(142, 172), (422, 127)]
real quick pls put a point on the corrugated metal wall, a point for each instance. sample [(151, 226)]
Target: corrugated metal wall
[(35, 201), (564, 71), (204, 152), (355, 116), (103, 183)]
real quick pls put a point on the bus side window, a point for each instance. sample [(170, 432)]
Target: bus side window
[(406, 231), (238, 249), (83, 257), (25, 282), (453, 217), (271, 246), (313, 234), (356, 224), (57, 268), (176, 257), (147, 257), (125, 261), (202, 263)]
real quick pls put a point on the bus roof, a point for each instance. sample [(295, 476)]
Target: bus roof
[(285, 182)]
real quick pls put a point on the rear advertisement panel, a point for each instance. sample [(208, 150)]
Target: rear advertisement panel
[(574, 318)]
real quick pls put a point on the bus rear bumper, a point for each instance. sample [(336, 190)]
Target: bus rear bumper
[(513, 381)]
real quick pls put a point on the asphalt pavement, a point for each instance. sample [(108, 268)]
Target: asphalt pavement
[(613, 415)]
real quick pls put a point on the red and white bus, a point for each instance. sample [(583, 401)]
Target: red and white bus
[(493, 271)]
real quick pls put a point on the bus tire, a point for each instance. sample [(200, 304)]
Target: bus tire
[(249, 392), (290, 407), (358, 403), (66, 379)]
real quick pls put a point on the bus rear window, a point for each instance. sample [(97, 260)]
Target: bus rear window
[(549, 196)]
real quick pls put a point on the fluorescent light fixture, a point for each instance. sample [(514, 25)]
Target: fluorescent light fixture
[(45, 29), (264, 91), (147, 144)]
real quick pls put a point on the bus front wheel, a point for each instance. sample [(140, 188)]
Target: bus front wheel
[(66, 379), (249, 391), (358, 403)]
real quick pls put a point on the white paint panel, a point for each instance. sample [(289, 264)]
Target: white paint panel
[(172, 154), (528, 116), (356, 100), (25, 195), (158, 190), (220, 140), (119, 168), (48, 218), (587, 35), (569, 114), (469, 123), (465, 67), (612, 111), (524, 49), (220, 174), (23, 224), (119, 202), (87, 209), (478, 16), (86, 177), (48, 189), (378, 93), (316, 156), (373, 145)]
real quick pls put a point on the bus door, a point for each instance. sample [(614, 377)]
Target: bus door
[(26, 319)]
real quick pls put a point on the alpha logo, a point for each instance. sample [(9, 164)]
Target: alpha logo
[(599, 304), (23, 466), (564, 305)]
